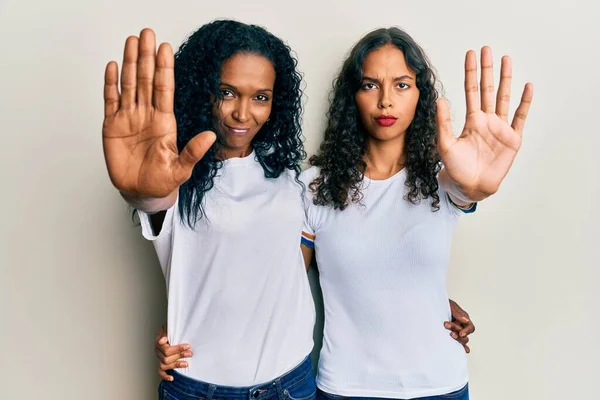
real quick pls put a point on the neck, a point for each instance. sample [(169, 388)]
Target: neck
[(225, 153), (384, 158)]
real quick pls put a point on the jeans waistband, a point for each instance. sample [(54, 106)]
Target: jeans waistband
[(263, 391)]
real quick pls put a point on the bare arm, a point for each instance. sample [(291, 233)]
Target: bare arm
[(307, 252)]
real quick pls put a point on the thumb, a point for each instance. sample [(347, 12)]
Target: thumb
[(458, 313), (162, 336), (162, 340), (444, 125), (192, 153)]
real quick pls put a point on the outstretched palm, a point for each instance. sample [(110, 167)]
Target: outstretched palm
[(479, 159), (139, 132)]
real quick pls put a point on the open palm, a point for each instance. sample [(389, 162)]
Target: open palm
[(139, 133), (479, 159)]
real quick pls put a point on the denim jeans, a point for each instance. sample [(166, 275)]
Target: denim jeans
[(298, 384), (461, 394)]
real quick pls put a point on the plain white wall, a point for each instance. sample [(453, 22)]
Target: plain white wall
[(81, 293)]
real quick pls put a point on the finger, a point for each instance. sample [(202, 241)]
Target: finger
[(467, 330), (487, 80), (503, 96), (160, 335), (463, 341), (518, 122), (191, 154), (164, 79), (164, 376), (471, 88), (174, 362), (146, 65), (458, 313), (169, 360), (467, 349), (168, 364), (129, 72), (169, 350), (162, 340), (175, 365), (111, 90), (453, 326), (444, 124)]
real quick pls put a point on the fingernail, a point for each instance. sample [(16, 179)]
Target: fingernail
[(447, 326), (466, 319), (170, 379), (186, 347), (462, 334), (454, 335)]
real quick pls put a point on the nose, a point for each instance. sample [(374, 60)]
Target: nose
[(384, 99), (241, 112)]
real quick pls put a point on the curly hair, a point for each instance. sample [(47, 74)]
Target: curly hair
[(278, 145), (341, 154)]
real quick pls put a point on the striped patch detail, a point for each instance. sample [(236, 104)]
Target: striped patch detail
[(307, 240)]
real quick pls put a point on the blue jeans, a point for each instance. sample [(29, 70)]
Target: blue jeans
[(298, 384), (461, 394)]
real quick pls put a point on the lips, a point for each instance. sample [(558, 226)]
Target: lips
[(386, 120), (237, 131)]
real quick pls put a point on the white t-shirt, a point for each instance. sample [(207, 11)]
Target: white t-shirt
[(237, 287), (382, 268)]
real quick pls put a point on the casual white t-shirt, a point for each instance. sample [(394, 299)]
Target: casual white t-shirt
[(382, 268), (237, 287)]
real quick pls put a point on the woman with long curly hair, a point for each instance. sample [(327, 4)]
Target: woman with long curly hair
[(385, 191), (206, 146)]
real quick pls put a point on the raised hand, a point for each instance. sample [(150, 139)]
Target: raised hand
[(479, 159), (139, 132)]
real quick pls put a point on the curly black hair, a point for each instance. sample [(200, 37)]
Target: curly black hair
[(278, 145), (341, 155)]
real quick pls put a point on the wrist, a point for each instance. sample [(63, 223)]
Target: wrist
[(150, 205)]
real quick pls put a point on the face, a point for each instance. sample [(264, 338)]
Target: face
[(388, 94), (245, 101)]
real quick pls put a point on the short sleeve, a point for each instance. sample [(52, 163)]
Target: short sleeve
[(167, 225), (312, 213)]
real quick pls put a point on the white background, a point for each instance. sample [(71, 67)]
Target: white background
[(81, 293)]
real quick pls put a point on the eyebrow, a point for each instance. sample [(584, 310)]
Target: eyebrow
[(235, 88), (399, 78)]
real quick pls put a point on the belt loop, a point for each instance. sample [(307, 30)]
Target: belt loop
[(210, 392), (280, 394)]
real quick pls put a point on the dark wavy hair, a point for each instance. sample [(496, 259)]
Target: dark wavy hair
[(341, 155), (278, 145)]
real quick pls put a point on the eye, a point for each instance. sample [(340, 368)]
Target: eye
[(368, 86), (403, 85), (225, 93), (262, 97)]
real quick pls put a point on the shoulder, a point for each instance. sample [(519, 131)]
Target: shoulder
[(309, 175)]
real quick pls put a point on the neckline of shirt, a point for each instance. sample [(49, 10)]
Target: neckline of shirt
[(240, 161), (386, 180)]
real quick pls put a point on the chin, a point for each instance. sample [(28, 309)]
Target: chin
[(386, 135), (238, 142)]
